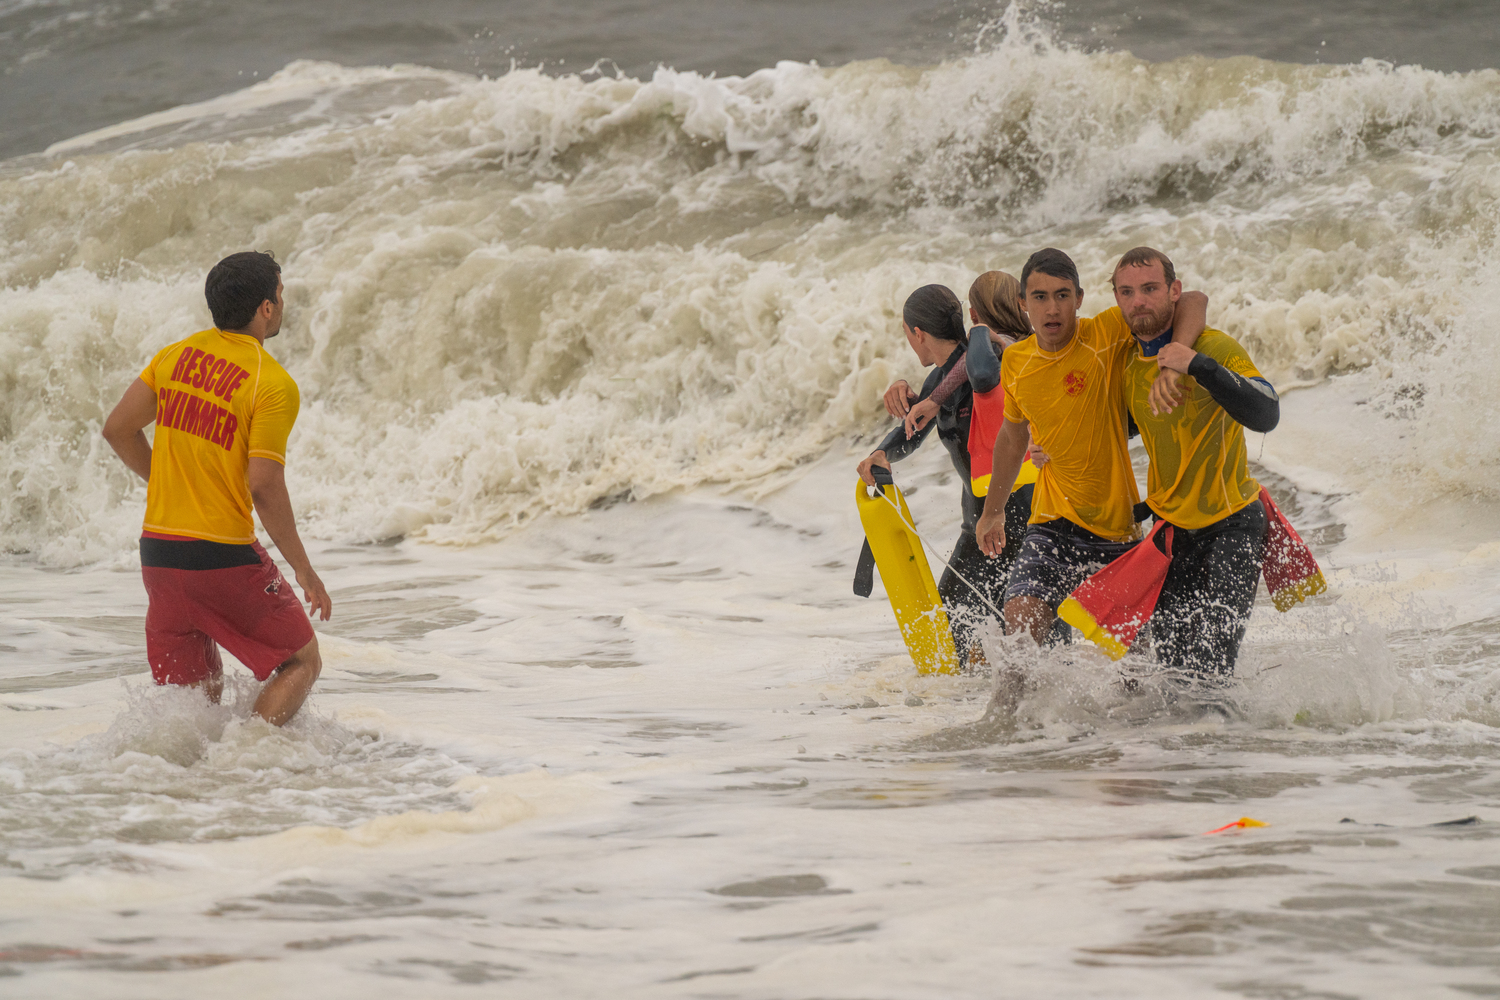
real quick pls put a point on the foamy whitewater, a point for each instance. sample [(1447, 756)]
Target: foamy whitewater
[(586, 363)]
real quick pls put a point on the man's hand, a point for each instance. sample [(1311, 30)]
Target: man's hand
[(918, 415), (877, 458), (268, 491), (898, 399), (1166, 391), (1037, 456), (314, 594), (990, 531), (1175, 357)]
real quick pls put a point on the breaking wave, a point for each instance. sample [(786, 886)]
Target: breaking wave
[(529, 294)]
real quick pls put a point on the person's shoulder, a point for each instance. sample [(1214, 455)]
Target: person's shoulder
[(272, 369), (1112, 315), (1228, 352), (1107, 329), (275, 382), (171, 350), (198, 339), (1024, 348), (1220, 346), (1014, 358)]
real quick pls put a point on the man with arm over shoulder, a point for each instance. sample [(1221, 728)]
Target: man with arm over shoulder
[(1199, 481), (1063, 387), (223, 410)]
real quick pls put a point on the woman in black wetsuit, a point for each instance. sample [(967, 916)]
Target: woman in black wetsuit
[(933, 322), (994, 306)]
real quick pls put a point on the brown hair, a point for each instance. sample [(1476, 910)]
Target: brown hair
[(1143, 256), (995, 297)]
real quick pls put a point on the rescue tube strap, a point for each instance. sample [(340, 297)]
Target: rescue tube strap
[(864, 572), (913, 529)]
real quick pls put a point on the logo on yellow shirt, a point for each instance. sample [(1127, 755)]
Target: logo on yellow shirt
[(1075, 382)]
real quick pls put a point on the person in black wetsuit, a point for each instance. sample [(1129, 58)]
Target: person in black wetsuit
[(933, 322), (994, 306)]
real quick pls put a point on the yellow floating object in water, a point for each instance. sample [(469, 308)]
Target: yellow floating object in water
[(1242, 823), (907, 578)]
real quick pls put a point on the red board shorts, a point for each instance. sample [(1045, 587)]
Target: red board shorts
[(207, 594)]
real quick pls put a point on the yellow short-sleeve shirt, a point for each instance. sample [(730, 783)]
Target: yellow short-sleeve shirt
[(1071, 398), (220, 399), (1199, 474)]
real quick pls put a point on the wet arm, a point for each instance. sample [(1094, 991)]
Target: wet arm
[(1188, 322), (274, 505), (1190, 318), (897, 445), (125, 427), (956, 377), (1250, 401), (981, 371), (1011, 443)]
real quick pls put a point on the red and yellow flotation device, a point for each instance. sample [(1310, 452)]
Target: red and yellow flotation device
[(1110, 607), (984, 424)]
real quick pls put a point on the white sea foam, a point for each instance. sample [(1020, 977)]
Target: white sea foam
[(665, 743), (531, 293), (657, 748)]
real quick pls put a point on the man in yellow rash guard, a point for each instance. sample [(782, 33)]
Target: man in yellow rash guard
[(1062, 386), (223, 409), (1199, 480)]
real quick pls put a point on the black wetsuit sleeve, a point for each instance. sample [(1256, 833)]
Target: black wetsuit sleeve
[(896, 444), (982, 361), (1251, 402)]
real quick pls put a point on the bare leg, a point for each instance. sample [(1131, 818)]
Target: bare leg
[(1022, 614), (289, 686), (975, 662), (1029, 614)]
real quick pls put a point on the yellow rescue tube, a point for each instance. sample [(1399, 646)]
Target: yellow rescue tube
[(907, 578)]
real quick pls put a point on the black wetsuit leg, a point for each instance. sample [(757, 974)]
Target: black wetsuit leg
[(1205, 602), (966, 612)]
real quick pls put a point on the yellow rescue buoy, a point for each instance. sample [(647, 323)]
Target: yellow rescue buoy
[(1243, 823), (907, 578)]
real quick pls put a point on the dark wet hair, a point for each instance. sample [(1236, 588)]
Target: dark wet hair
[(1051, 262), (1143, 257), (237, 285), (935, 310)]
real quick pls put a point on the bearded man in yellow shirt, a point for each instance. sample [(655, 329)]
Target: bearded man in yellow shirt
[(1062, 389), (1199, 481), (223, 409)]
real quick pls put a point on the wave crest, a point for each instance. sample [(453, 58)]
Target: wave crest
[(522, 295)]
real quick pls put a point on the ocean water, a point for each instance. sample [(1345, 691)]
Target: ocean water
[(589, 345)]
